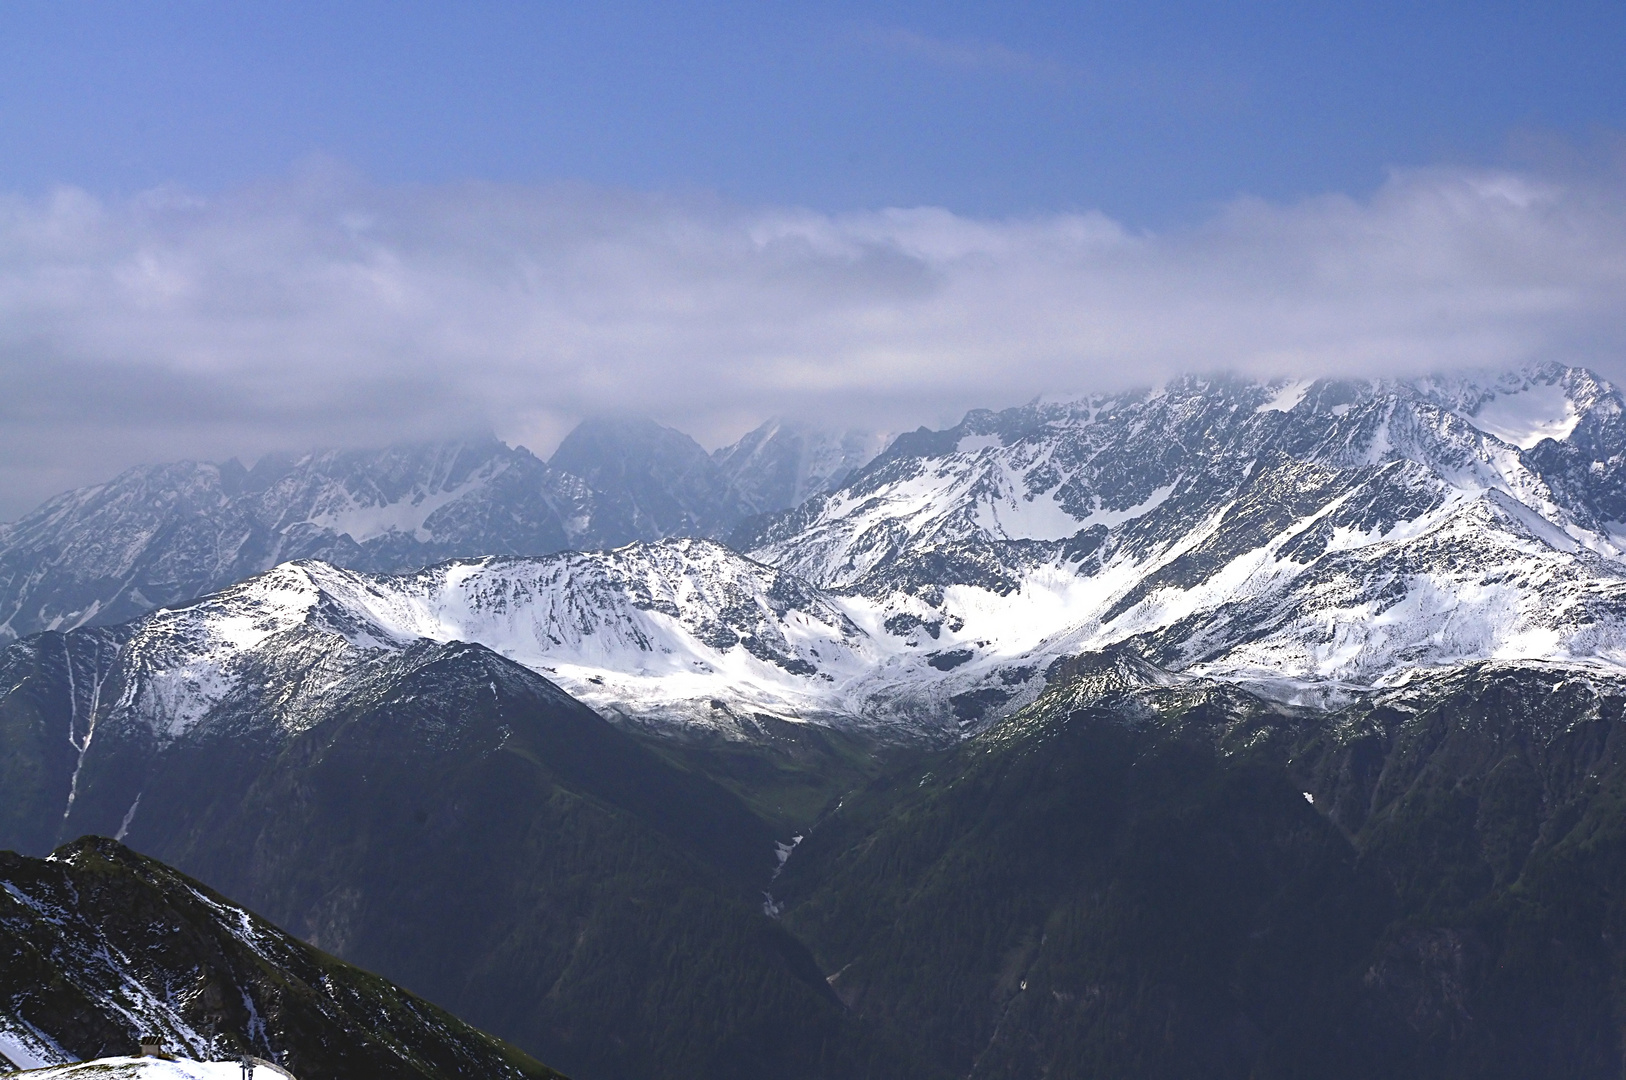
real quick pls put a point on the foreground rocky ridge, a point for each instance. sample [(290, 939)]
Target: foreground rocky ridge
[(101, 949)]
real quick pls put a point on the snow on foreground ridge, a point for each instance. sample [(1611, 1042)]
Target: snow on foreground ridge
[(146, 1068), (1338, 535)]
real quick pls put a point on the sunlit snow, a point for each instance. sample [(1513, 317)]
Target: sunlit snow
[(1288, 397), (26, 1048), (1436, 545), (146, 1068), (1528, 416)]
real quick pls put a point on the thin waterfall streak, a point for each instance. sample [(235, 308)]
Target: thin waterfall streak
[(90, 732), (129, 816), (73, 693)]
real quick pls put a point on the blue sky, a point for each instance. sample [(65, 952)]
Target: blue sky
[(233, 227), (1152, 112)]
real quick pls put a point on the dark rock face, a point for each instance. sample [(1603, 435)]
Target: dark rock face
[(655, 481), (101, 947), (780, 465)]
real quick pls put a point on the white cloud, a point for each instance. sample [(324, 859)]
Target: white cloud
[(322, 309)]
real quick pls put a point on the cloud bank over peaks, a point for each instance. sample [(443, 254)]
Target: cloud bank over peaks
[(321, 309)]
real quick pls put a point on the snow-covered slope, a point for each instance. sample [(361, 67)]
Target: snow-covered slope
[(1307, 538), (674, 632), (1317, 532)]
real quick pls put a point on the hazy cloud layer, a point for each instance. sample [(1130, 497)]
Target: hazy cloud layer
[(322, 310)]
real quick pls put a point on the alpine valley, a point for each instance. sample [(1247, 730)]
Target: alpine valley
[(1222, 728)]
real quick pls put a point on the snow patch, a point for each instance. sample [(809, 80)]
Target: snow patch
[(1288, 397), (364, 519), (1020, 518), (1528, 416), (129, 816), (139, 1068), (1113, 518), (782, 851), (26, 1048), (975, 444)]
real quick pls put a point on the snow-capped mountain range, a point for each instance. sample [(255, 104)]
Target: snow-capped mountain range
[(1309, 539), (163, 535), (1316, 533)]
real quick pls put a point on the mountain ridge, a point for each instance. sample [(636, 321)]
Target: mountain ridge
[(161, 535), (104, 948), (1304, 539)]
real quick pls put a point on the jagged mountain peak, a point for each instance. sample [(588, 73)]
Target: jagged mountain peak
[(164, 534), (654, 481), (781, 463), (1244, 529), (1048, 470)]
